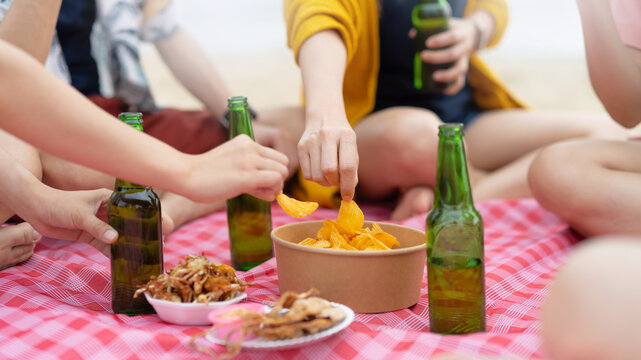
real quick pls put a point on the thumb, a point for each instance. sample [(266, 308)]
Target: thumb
[(99, 229)]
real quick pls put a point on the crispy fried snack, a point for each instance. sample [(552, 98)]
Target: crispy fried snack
[(292, 316), (295, 207), (195, 280), (347, 232)]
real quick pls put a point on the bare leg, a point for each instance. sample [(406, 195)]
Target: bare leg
[(397, 149), (398, 153), (24, 154), (505, 142), (497, 138), (592, 310), (64, 175), (17, 242), (182, 210), (594, 185)]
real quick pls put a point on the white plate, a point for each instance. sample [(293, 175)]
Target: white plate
[(188, 313), (261, 344)]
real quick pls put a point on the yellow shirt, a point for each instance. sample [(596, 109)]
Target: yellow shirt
[(357, 23)]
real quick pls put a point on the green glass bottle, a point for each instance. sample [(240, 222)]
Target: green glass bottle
[(454, 228), (249, 219), (137, 255), (429, 17)]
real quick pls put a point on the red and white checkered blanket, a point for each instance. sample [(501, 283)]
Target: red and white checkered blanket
[(57, 305)]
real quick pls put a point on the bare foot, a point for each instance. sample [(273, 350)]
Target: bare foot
[(16, 244), (415, 200), (182, 210)]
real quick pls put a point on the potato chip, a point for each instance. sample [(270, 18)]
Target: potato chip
[(338, 241), (295, 207), (350, 217), (377, 244), (347, 232), (325, 231), (388, 239), (308, 241), (322, 244)]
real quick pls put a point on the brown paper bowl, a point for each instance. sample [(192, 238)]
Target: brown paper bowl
[(366, 281)]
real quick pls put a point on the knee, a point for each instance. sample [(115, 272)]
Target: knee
[(554, 174), (414, 140), (591, 310)]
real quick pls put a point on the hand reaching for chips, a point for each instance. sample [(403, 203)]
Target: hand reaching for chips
[(295, 207), (347, 232)]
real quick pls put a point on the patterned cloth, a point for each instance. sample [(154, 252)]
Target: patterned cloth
[(57, 305), (117, 34)]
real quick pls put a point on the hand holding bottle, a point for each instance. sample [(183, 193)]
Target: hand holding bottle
[(74, 216), (456, 46), (233, 168)]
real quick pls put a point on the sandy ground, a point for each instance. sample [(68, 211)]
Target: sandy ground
[(541, 57)]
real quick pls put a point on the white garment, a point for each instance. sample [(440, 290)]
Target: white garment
[(117, 34)]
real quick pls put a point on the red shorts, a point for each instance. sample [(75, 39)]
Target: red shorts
[(192, 132)]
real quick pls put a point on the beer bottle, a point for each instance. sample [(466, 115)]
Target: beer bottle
[(429, 17), (249, 219), (454, 229), (134, 211)]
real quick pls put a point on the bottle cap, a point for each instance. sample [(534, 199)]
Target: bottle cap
[(133, 119), (450, 129)]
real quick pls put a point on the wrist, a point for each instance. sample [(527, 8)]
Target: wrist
[(326, 118), (26, 192), (327, 112), (178, 173), (483, 25), (478, 43)]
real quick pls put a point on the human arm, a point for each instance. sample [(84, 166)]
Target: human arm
[(68, 215), (191, 66), (327, 149), (615, 69), (481, 27), (30, 24), (200, 77), (57, 119)]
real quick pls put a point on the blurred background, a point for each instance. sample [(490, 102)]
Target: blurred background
[(541, 57)]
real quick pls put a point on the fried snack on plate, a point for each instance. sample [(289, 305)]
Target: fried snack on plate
[(295, 207), (195, 280), (347, 232), (292, 316)]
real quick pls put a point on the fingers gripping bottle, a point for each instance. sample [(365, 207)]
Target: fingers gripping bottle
[(137, 255), (455, 255), (429, 17), (249, 219)]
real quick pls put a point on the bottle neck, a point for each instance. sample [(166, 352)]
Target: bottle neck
[(240, 121), (452, 179), (123, 185), (133, 119)]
